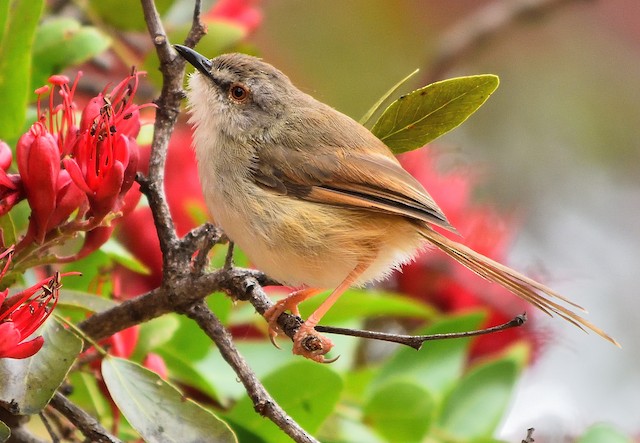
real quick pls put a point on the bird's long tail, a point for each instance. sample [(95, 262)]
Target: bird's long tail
[(527, 289)]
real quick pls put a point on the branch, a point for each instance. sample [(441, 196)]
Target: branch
[(416, 341), (88, 425), (478, 28), (263, 403), (529, 438), (172, 69), (240, 283)]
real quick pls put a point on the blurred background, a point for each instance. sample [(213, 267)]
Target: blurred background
[(556, 147)]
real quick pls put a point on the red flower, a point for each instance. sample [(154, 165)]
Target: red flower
[(103, 159), (242, 13), (22, 314), (11, 191), (86, 169)]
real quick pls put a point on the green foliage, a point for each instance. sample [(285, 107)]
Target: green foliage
[(376, 107), (475, 406), (427, 113), (122, 14), (603, 433), (439, 364), (19, 20), (357, 303), (46, 370), (157, 410), (5, 432), (307, 391), (64, 42), (400, 411), (85, 301)]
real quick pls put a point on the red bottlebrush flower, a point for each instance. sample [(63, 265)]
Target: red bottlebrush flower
[(436, 280), (11, 190), (22, 314), (66, 168), (104, 157), (39, 166), (242, 13)]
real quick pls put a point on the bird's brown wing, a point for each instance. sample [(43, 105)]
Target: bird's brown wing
[(347, 178)]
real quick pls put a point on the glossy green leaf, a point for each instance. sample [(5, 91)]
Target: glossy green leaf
[(439, 364), (365, 119), (15, 63), (427, 113), (64, 42), (307, 391), (400, 411), (157, 410), (475, 407), (359, 303), (604, 433), (5, 432), (46, 370), (88, 302)]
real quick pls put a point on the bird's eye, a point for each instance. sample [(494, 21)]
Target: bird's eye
[(238, 92)]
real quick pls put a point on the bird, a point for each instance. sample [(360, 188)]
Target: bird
[(314, 199)]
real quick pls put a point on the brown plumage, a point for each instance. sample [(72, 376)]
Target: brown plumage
[(313, 198)]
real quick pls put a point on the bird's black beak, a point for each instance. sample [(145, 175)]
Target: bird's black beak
[(200, 62)]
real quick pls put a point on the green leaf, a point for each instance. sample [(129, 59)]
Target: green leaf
[(475, 407), (88, 302), (439, 364), (125, 15), (157, 410), (155, 333), (400, 411), (119, 254), (46, 370), (184, 372), (360, 303), (15, 63), (377, 105), (63, 42), (86, 394), (425, 114), (5, 432), (603, 433), (93, 269), (8, 229), (307, 391)]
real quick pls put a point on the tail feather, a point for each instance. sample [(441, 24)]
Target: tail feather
[(528, 289)]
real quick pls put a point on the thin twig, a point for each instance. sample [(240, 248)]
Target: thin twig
[(416, 341), (172, 69), (208, 236), (529, 437), (263, 403), (49, 428), (228, 260), (88, 425)]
